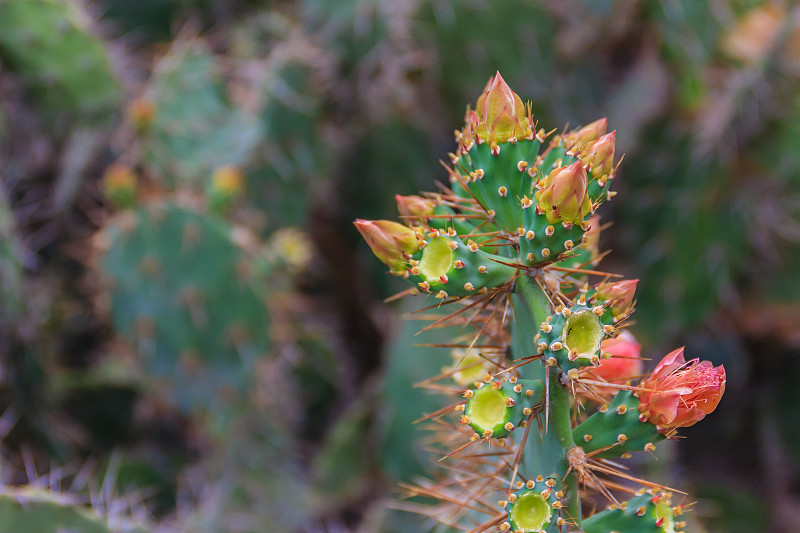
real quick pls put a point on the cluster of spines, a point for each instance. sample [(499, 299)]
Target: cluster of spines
[(495, 408)]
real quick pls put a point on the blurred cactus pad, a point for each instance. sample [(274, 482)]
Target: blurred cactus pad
[(195, 337)]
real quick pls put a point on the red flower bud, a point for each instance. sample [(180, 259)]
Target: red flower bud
[(564, 196), (599, 155), (499, 113), (414, 206), (619, 295), (680, 394), (391, 242), (624, 364)]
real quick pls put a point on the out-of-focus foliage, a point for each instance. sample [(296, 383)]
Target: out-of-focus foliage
[(180, 284)]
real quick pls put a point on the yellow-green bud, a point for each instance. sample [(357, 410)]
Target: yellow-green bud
[(564, 197), (391, 242)]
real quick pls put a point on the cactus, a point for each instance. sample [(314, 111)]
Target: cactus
[(67, 68), (188, 125), (188, 292), (533, 200), (43, 511), (11, 271)]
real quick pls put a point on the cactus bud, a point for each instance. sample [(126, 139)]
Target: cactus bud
[(564, 196), (680, 394), (579, 137), (414, 206), (227, 184), (119, 184), (391, 242), (141, 113), (619, 295), (625, 362), (499, 113), (600, 155)]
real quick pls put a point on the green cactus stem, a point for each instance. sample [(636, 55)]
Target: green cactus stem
[(616, 429), (537, 211)]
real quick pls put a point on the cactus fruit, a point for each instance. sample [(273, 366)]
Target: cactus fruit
[(188, 292), (532, 201), (67, 68)]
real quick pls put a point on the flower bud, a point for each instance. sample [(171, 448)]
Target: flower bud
[(499, 111), (564, 196), (414, 206), (599, 155), (680, 394), (141, 112), (119, 184), (226, 186), (579, 137), (391, 242), (619, 295), (624, 364)]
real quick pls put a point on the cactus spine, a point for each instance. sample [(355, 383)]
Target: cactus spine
[(508, 245)]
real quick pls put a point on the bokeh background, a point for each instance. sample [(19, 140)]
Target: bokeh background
[(192, 334)]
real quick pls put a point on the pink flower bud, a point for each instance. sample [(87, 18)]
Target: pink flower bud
[(619, 295), (499, 111), (624, 364), (414, 206), (391, 242), (579, 137), (599, 155), (680, 394), (564, 197)]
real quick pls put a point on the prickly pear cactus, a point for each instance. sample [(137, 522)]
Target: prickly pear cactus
[(511, 246), (188, 293), (188, 125), (67, 68), (43, 511)]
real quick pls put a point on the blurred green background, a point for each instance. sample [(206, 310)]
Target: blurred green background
[(192, 334)]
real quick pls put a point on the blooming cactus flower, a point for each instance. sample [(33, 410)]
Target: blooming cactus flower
[(391, 242), (625, 362), (564, 197), (680, 394)]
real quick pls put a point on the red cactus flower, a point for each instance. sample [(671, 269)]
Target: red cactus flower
[(624, 364), (680, 394)]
